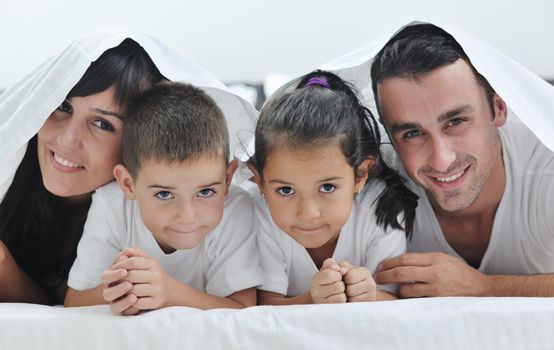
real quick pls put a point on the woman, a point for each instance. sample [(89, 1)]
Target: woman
[(46, 186)]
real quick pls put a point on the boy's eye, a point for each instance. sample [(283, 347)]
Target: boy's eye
[(104, 125), (327, 188), (411, 134), (285, 191), (164, 195), (65, 107), (206, 193)]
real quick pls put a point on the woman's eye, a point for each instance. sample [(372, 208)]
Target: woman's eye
[(206, 193), (164, 195), (65, 107), (327, 188), (104, 125), (285, 191)]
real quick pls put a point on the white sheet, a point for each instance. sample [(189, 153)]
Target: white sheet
[(431, 323)]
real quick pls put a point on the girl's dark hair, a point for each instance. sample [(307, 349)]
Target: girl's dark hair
[(313, 115), (40, 229)]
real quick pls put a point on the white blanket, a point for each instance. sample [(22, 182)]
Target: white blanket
[(431, 323)]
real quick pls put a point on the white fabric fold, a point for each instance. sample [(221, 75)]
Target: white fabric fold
[(530, 98)]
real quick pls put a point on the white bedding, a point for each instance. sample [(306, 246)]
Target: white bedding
[(432, 323)]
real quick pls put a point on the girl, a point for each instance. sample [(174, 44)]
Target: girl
[(333, 210)]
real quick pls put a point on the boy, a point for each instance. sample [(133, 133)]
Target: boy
[(175, 185)]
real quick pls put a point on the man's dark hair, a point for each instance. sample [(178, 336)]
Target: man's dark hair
[(417, 50), (173, 122)]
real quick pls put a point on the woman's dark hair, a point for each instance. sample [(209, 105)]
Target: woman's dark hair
[(314, 115), (40, 229)]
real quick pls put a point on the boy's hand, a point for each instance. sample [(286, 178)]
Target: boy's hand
[(358, 282), (116, 290), (327, 285), (150, 283)]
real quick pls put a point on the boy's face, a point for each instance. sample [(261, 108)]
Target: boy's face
[(179, 202)]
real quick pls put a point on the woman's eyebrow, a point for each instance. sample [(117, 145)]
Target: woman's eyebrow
[(113, 114)]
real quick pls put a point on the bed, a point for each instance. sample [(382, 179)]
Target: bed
[(427, 323)]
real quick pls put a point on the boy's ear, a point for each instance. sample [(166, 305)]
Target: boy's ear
[(125, 181), (257, 177), (231, 168), (363, 172)]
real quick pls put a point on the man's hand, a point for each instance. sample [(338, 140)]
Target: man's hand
[(358, 282), (432, 274), (327, 285)]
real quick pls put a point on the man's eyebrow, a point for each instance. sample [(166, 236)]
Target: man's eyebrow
[(396, 128), (113, 114), (454, 112)]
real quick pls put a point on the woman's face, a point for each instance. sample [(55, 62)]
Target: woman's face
[(80, 143)]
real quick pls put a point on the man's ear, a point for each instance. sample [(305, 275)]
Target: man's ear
[(125, 181), (362, 173), (500, 111), (257, 178), (231, 168)]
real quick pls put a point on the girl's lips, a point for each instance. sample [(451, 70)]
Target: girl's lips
[(309, 230)]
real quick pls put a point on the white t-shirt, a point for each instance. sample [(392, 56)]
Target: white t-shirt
[(288, 267), (522, 238), (225, 262)]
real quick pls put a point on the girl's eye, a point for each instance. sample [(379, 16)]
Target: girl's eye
[(327, 188), (65, 107), (285, 191), (104, 125), (164, 195), (206, 193)]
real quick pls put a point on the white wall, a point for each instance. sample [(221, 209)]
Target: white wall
[(245, 40)]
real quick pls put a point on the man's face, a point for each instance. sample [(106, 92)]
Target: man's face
[(444, 132)]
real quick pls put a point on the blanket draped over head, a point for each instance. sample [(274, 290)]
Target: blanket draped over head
[(529, 98), (25, 106)]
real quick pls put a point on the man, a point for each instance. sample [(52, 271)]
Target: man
[(483, 226)]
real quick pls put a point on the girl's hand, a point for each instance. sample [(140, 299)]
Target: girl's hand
[(327, 284), (150, 283), (359, 284)]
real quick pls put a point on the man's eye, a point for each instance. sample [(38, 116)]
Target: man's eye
[(206, 193), (104, 125), (65, 107), (327, 188), (454, 122), (411, 134), (285, 191), (164, 195)]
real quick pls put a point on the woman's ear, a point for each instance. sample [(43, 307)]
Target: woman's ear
[(231, 169), (125, 181), (363, 172), (257, 178)]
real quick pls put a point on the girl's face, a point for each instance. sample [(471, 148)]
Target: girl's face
[(80, 143), (309, 192)]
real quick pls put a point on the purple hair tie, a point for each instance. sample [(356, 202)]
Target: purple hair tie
[(318, 81)]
